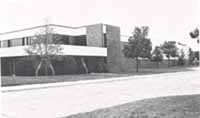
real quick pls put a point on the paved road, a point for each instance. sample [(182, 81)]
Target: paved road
[(65, 99)]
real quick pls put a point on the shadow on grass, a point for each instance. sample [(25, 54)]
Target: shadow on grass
[(187, 106), (24, 80)]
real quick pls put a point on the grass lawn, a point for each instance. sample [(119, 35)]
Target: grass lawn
[(23, 80), (165, 107)]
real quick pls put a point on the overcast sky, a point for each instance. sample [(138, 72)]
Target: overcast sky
[(167, 19)]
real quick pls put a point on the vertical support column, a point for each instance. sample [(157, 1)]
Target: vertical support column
[(95, 35), (114, 53)]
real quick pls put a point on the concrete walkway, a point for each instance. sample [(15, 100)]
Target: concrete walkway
[(63, 99)]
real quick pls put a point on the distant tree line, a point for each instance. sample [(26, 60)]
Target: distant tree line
[(139, 46)]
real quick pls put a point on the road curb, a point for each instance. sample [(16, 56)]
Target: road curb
[(75, 83), (61, 84)]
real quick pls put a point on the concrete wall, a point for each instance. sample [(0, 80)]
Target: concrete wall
[(95, 35), (113, 48)]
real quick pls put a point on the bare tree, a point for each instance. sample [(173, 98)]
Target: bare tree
[(45, 46), (84, 65)]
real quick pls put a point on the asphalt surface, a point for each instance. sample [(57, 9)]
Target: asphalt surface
[(63, 99)]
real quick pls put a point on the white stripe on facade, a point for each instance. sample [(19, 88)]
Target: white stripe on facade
[(32, 32), (67, 50)]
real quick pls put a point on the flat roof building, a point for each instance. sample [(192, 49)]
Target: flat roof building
[(98, 43)]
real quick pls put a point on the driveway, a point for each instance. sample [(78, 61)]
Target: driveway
[(63, 99)]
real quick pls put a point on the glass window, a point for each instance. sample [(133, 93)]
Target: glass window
[(4, 43), (16, 42), (65, 39), (80, 40), (28, 40)]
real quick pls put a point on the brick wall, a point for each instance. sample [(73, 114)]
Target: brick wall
[(95, 35), (113, 48)]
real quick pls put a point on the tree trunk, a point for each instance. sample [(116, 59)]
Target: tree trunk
[(168, 62), (137, 65), (84, 65), (38, 68), (52, 68)]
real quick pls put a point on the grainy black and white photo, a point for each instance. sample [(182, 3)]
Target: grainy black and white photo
[(100, 58)]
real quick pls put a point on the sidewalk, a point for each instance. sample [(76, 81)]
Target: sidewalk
[(63, 99)]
